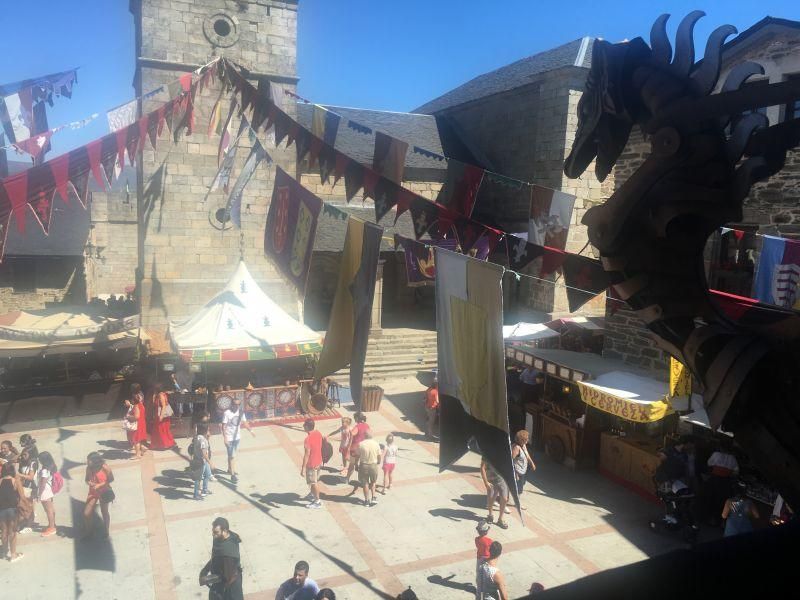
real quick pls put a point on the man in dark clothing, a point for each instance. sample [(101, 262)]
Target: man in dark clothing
[(223, 573)]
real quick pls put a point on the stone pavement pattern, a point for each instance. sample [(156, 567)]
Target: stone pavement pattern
[(420, 533)]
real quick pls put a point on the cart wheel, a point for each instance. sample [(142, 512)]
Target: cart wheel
[(555, 450)]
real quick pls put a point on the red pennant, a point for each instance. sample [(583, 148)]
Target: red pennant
[(144, 123), (80, 183), (186, 82), (17, 193), (404, 198), (94, 151), (552, 260), (122, 138), (315, 147), (59, 167), (370, 181), (42, 205), (132, 141), (34, 145), (153, 122)]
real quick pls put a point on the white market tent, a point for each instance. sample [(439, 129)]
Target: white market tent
[(242, 323)]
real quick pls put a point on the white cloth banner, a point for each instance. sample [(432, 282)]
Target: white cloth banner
[(122, 116)]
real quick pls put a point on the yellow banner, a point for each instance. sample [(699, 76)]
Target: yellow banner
[(680, 379), (638, 412)]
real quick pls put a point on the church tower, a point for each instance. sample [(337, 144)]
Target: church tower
[(186, 248)]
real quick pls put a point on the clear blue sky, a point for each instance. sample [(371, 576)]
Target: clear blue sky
[(390, 55)]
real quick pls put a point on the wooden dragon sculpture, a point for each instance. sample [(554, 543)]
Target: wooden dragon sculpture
[(652, 231)]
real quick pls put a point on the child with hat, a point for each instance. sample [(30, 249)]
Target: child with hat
[(482, 544)]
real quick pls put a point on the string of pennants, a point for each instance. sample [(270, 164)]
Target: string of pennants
[(37, 187), (380, 183)]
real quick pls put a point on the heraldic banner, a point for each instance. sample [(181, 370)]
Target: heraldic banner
[(472, 384), (291, 228)]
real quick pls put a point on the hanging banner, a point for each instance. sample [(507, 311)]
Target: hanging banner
[(234, 207), (325, 124), (122, 116), (680, 380), (778, 273), (550, 216), (419, 258), (584, 277), (460, 189), (389, 159), (291, 228)]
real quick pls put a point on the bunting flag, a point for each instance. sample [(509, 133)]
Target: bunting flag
[(359, 127), (460, 189), (16, 113), (584, 277), (325, 124), (226, 139), (385, 197), (234, 206), (348, 328), (45, 87), (389, 158), (223, 176), (521, 253), (420, 260), (122, 116), (778, 273), (35, 146), (550, 216), (428, 154), (471, 357), (291, 229), (423, 215), (353, 179)]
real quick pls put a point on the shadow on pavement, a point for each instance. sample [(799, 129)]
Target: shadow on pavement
[(95, 553), (472, 501), (177, 484), (454, 514), (276, 499), (453, 585)]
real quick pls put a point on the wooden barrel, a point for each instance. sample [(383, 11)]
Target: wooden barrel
[(371, 397)]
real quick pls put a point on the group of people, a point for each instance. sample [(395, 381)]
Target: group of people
[(153, 419), (497, 491), (223, 572), (490, 583), (30, 477)]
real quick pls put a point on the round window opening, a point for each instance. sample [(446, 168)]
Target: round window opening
[(222, 28), (222, 215)]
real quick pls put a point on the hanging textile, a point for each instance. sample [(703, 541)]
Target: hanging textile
[(325, 124), (291, 229), (122, 116), (778, 272), (419, 258), (460, 188), (348, 328), (234, 206), (390, 157), (471, 357), (550, 216)]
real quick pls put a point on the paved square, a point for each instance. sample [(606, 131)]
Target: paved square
[(420, 533)]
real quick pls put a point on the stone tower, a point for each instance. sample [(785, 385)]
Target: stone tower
[(185, 252)]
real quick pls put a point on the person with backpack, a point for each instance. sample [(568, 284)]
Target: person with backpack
[(50, 483), (200, 464), (99, 477)]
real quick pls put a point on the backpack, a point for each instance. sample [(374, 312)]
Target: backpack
[(56, 482)]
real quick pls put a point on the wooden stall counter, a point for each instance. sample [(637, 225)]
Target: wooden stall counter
[(631, 460)]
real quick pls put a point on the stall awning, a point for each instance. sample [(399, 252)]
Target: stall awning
[(627, 395), (528, 332), (564, 364)]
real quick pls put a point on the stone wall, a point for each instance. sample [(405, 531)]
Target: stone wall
[(111, 256), (54, 279), (628, 339), (186, 253)]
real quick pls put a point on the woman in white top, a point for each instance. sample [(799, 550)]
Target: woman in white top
[(389, 460), (521, 459), (491, 582), (47, 467)]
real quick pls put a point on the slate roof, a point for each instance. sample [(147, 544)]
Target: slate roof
[(577, 53), (331, 232), (415, 129)]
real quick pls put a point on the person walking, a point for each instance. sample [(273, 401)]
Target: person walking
[(300, 586), (312, 461), (369, 454), (357, 436), (482, 544), (200, 463), (738, 512), (10, 493), (389, 460), (344, 442), (497, 489), (136, 422), (432, 406), (50, 483), (521, 459), (99, 477), (162, 427), (231, 428), (491, 582), (223, 572)]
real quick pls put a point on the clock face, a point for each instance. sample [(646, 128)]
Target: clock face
[(254, 399), (224, 401)]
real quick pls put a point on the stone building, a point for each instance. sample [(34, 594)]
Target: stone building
[(186, 250), (773, 206)]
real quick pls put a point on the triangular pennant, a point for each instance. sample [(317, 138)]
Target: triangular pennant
[(144, 123), (94, 152), (327, 162), (468, 232), (153, 121), (79, 177), (282, 124), (552, 260), (521, 253), (272, 112), (215, 117), (461, 186), (16, 188), (424, 214), (162, 118), (59, 166), (109, 160), (585, 278), (132, 142), (42, 205), (302, 143), (404, 199), (389, 156), (34, 145), (370, 182), (294, 131), (386, 193), (185, 81), (314, 148), (169, 113), (340, 166), (353, 179), (121, 137)]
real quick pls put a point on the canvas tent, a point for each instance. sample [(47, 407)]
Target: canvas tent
[(241, 323)]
